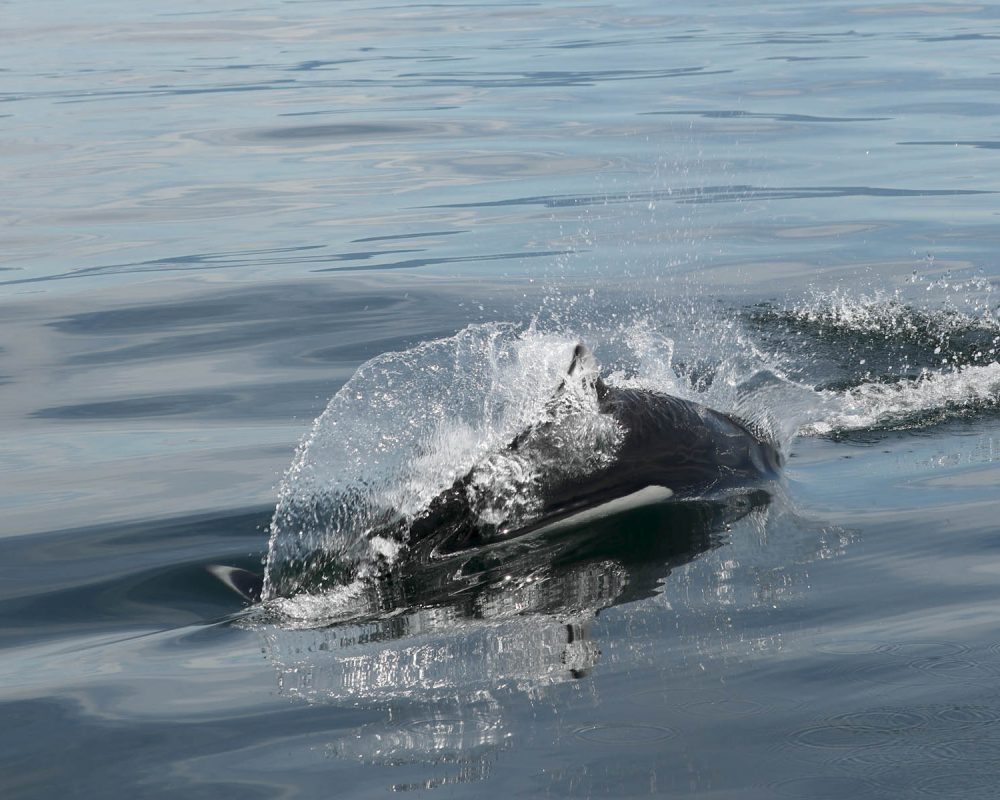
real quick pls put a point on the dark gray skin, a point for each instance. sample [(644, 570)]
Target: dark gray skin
[(688, 448)]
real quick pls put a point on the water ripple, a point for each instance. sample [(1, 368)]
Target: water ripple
[(859, 729), (737, 114), (716, 194), (624, 733)]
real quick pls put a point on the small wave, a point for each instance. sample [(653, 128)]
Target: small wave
[(929, 399), (876, 336), (877, 362), (888, 315)]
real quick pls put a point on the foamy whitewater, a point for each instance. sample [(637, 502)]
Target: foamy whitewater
[(408, 424)]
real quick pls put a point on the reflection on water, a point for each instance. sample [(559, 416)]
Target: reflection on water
[(462, 738), (518, 614), (455, 651)]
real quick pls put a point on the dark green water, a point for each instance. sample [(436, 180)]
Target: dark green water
[(213, 215)]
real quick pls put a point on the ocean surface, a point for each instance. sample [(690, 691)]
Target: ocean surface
[(214, 213)]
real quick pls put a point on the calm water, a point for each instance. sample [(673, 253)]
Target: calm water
[(214, 214)]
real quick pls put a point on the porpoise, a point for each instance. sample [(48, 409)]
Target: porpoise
[(665, 449)]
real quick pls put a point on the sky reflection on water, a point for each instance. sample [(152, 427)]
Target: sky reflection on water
[(214, 215)]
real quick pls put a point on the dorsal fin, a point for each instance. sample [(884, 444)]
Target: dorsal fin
[(582, 359), (583, 363), (583, 370)]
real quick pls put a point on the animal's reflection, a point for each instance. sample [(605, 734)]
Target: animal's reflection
[(443, 639)]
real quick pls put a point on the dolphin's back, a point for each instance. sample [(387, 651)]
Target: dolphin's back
[(685, 446), (670, 443)]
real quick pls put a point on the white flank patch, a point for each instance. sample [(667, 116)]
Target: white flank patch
[(644, 497)]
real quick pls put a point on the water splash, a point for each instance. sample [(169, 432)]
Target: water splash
[(408, 425), (403, 429), (929, 399), (885, 335), (878, 362)]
